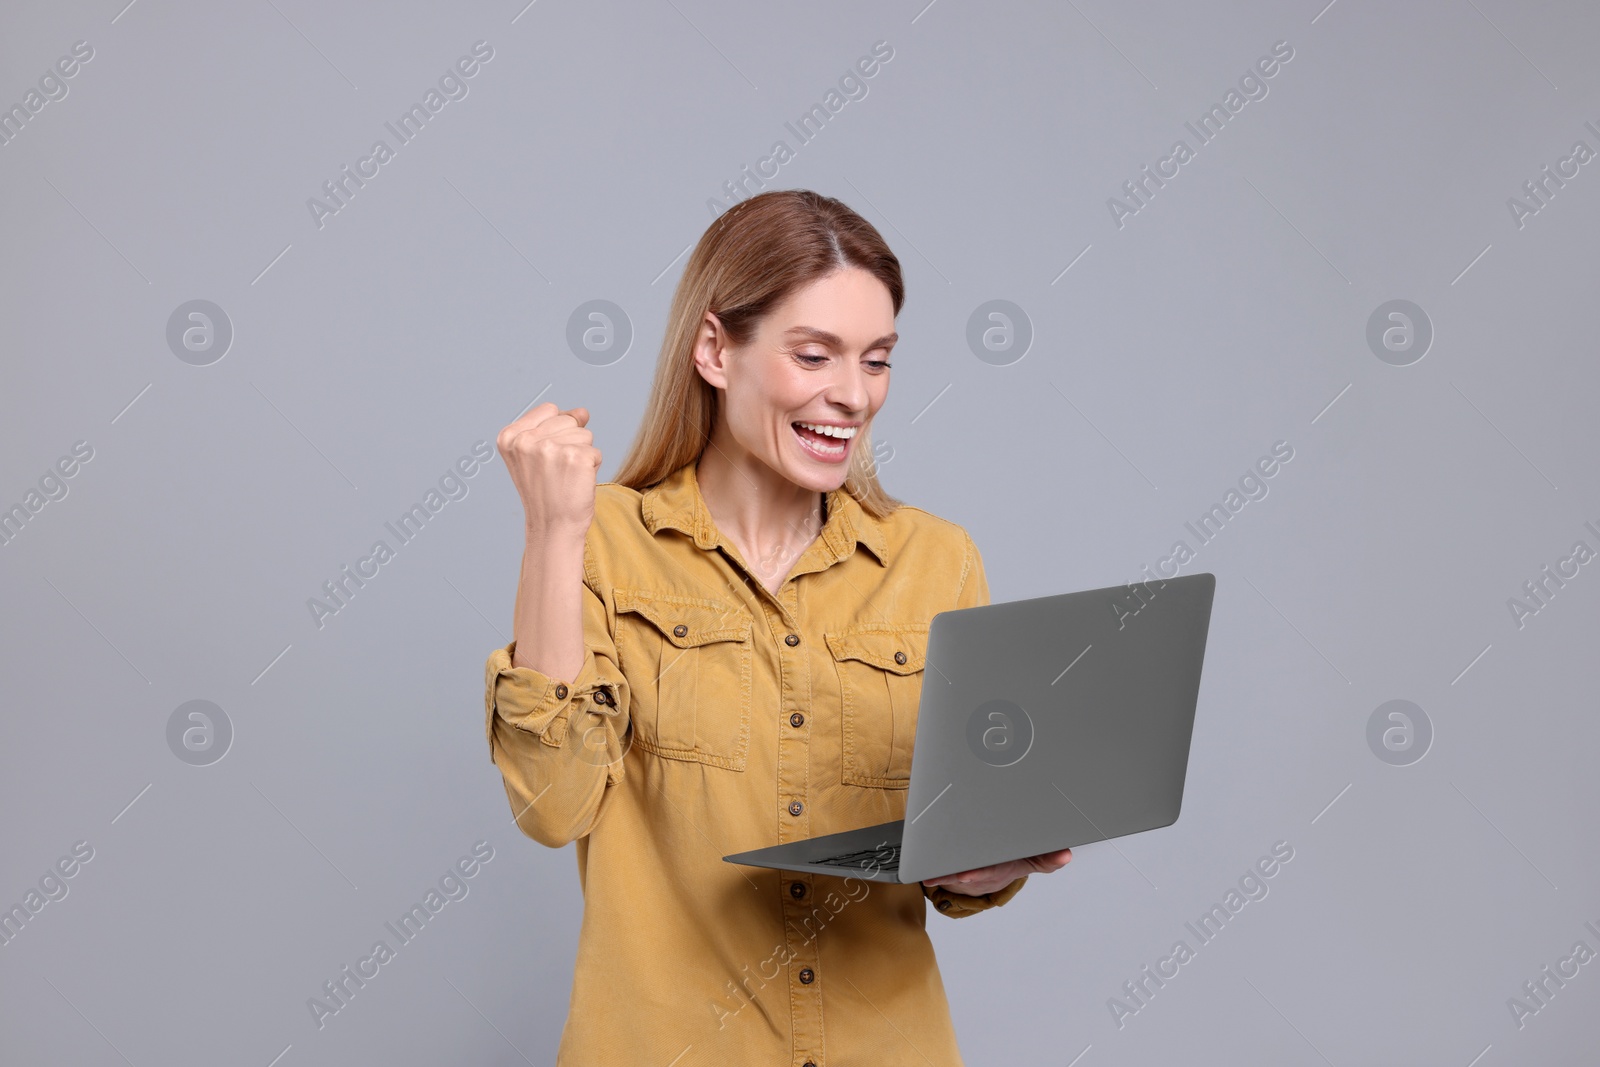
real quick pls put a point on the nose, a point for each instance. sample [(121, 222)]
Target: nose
[(849, 387)]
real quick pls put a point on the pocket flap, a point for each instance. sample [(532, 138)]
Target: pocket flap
[(883, 647), (685, 621)]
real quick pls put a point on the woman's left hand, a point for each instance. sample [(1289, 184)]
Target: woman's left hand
[(988, 879)]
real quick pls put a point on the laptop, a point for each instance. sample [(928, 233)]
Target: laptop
[(1043, 724)]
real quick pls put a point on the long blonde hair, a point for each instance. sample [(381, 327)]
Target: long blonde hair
[(749, 260)]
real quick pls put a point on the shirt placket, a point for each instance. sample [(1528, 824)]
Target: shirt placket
[(794, 822), (782, 611)]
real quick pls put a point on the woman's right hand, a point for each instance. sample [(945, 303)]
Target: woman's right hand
[(555, 466)]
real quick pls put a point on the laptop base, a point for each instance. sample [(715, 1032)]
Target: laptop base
[(871, 853)]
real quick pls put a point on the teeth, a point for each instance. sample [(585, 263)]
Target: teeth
[(845, 432)]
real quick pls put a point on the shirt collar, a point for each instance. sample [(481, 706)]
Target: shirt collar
[(675, 503)]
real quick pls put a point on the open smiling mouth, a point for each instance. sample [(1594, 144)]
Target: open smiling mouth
[(824, 442)]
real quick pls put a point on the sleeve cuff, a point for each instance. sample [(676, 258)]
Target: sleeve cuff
[(959, 905), (531, 700)]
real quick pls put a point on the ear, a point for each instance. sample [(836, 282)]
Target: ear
[(711, 350)]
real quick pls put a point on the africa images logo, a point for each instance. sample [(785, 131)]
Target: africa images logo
[(999, 732)]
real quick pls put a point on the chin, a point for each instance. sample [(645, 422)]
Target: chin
[(816, 476)]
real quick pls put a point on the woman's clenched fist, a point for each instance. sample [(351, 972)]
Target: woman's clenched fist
[(554, 465)]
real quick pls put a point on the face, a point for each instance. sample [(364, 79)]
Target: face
[(817, 370)]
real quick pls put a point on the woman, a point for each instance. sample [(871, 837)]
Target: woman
[(722, 649)]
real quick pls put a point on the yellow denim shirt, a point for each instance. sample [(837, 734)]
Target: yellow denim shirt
[(711, 716)]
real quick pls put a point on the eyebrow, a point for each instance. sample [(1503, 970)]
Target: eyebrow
[(838, 342)]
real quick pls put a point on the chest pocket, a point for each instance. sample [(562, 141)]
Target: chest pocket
[(880, 680), (688, 663)]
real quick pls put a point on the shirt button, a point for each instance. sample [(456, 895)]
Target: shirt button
[(944, 905), (795, 807), (899, 657), (797, 889), (797, 719), (808, 1063), (601, 697), (561, 691), (807, 976), (792, 640), (679, 630)]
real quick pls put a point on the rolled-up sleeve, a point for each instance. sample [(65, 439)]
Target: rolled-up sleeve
[(559, 743), (958, 905), (974, 592)]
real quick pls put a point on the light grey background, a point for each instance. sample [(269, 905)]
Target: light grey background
[(1229, 313)]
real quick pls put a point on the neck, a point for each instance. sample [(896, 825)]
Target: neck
[(755, 505)]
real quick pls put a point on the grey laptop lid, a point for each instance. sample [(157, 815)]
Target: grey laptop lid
[(1053, 722)]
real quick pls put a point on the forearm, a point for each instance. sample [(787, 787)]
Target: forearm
[(555, 704), (548, 618)]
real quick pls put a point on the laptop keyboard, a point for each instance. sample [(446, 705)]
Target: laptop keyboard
[(884, 857)]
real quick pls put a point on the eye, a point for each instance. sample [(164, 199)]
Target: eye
[(810, 359)]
